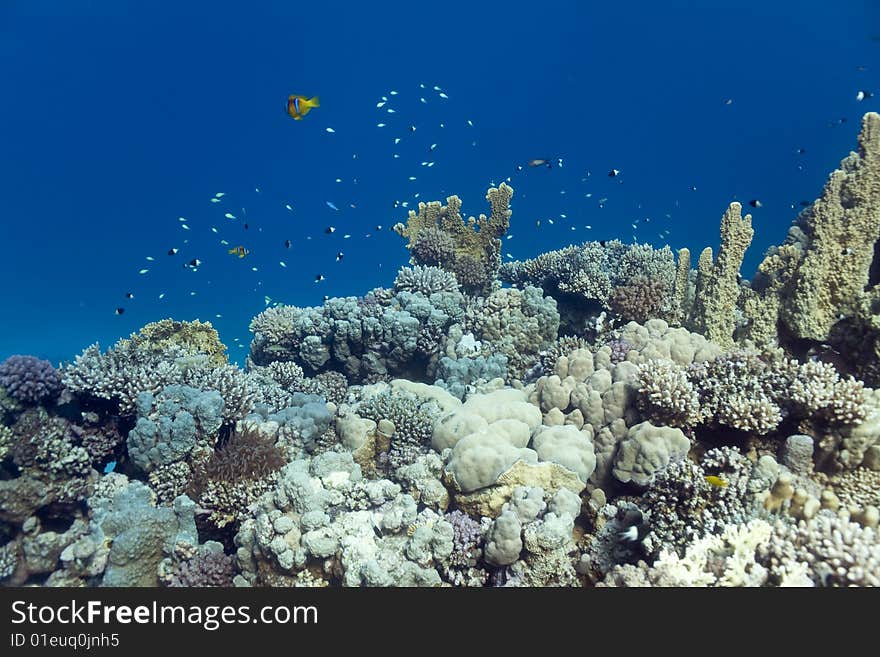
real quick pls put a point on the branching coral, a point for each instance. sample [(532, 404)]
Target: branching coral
[(750, 390), (593, 271), (439, 236), (161, 354), (425, 279), (411, 421), (828, 550)]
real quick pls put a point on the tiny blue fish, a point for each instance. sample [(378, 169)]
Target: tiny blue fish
[(331, 206)]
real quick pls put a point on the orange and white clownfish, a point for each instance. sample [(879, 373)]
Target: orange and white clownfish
[(299, 106)]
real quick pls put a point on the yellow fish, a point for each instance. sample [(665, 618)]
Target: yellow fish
[(716, 481), (240, 251), (299, 106)]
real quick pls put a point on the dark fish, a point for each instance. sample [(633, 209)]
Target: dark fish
[(195, 262), (602, 243), (862, 95), (755, 203), (805, 204), (172, 251), (246, 226), (119, 311), (613, 173), (287, 244), (330, 230), (634, 528), (319, 278), (339, 256), (519, 167), (129, 295), (801, 151)]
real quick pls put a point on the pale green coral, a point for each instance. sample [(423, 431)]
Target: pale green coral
[(194, 337), (842, 227), (822, 274), (717, 281)]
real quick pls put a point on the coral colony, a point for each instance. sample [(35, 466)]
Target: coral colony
[(611, 417)]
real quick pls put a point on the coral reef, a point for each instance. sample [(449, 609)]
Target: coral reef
[(161, 354), (689, 428), (195, 338), (439, 236)]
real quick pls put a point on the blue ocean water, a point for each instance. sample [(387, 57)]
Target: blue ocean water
[(120, 122)]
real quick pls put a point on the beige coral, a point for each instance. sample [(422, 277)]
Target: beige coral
[(718, 281), (193, 337), (476, 243)]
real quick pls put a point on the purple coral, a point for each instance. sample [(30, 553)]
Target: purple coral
[(467, 536), (433, 246), (29, 379), (619, 349), (205, 569), (640, 299)]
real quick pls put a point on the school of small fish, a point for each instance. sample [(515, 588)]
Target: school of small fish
[(404, 122)]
